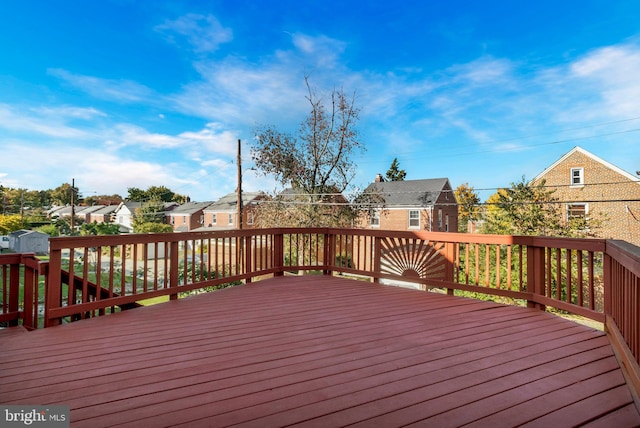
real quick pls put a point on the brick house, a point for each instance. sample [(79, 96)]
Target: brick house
[(587, 185), (427, 204), (187, 217), (103, 215), (223, 213)]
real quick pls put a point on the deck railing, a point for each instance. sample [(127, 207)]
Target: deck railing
[(92, 276), (22, 283)]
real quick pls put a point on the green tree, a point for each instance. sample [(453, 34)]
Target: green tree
[(395, 173), (49, 229), (103, 200), (63, 224), (95, 228), (468, 205), (63, 194), (155, 193), (147, 215), (495, 218), (153, 228), (316, 162), (531, 209)]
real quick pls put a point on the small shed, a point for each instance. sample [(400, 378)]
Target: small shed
[(29, 241)]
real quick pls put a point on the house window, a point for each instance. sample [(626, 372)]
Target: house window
[(440, 218), (230, 218), (250, 217), (214, 218), (577, 211), (414, 219), (577, 176), (374, 219), (446, 223)]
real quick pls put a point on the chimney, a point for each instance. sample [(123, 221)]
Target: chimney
[(379, 178)]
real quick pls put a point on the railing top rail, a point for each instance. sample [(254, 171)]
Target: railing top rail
[(589, 244), (628, 255)]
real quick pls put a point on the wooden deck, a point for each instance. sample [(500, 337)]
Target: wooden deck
[(321, 351)]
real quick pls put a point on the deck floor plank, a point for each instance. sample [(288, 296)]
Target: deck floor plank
[(320, 351)]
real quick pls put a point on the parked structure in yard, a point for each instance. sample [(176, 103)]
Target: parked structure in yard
[(588, 186), (29, 241), (427, 204)]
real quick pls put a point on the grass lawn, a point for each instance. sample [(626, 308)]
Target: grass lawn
[(154, 300)]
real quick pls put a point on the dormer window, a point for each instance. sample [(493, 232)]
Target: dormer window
[(577, 176)]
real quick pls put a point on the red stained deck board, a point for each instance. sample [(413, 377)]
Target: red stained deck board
[(319, 351)]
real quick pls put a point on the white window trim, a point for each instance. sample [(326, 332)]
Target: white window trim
[(410, 218), (586, 208), (580, 176)]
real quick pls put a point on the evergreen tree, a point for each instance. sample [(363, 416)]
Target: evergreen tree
[(395, 173)]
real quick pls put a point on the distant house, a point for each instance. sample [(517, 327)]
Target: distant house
[(187, 217), (57, 212), (427, 204), (588, 186), (126, 210), (124, 214), (84, 213), (223, 213), (29, 241), (103, 215)]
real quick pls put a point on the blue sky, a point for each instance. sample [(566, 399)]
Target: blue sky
[(124, 93)]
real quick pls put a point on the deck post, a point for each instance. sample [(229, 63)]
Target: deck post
[(14, 290), (53, 291), (377, 252), (607, 266), (30, 281), (248, 252), (278, 253), (535, 275), (174, 267), (329, 252), (450, 263)]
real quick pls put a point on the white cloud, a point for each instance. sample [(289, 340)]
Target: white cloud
[(324, 51), (50, 125), (203, 33), (128, 134), (121, 90), (612, 74), (213, 138)]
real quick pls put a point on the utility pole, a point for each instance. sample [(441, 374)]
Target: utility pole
[(73, 202), (239, 190)]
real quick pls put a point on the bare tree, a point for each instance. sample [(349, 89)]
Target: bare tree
[(316, 163)]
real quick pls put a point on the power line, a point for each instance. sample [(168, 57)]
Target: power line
[(444, 154)]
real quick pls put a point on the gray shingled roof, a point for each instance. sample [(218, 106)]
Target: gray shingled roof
[(190, 208), (409, 192), (230, 201)]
